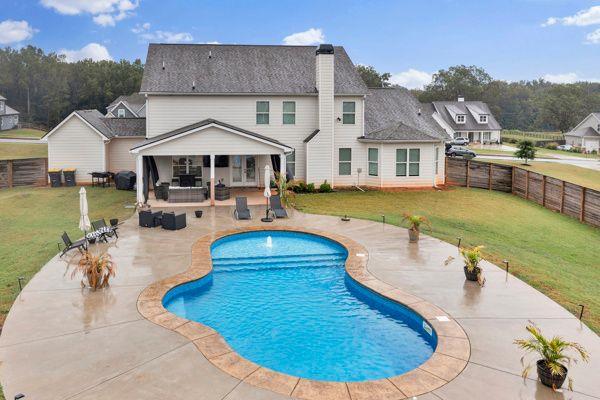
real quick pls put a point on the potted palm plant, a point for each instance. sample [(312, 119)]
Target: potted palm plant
[(414, 226), (472, 257), (97, 270), (553, 352)]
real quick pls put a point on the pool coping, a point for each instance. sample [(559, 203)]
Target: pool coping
[(446, 363)]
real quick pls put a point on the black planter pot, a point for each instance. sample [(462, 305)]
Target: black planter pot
[(546, 377), (198, 213), (472, 275), (55, 179)]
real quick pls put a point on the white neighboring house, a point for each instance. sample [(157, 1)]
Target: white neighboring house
[(586, 134), (223, 112), (470, 119), (9, 117)]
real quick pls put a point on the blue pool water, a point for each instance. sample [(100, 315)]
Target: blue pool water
[(284, 301)]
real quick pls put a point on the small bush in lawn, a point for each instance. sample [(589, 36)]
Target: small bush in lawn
[(325, 187), (310, 188), (300, 187), (551, 145)]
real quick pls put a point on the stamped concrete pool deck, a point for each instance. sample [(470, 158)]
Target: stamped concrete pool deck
[(62, 342)]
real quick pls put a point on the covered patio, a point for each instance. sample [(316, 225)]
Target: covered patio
[(209, 160)]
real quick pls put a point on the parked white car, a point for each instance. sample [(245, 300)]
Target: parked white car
[(460, 141), (566, 147)]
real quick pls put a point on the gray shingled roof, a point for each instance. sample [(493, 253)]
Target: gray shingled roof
[(114, 127), (135, 101), (202, 123), (2, 97), (446, 108), (9, 111), (587, 132), (392, 114), (242, 69)]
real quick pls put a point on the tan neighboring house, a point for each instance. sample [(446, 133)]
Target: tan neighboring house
[(468, 119), (220, 113), (586, 134)]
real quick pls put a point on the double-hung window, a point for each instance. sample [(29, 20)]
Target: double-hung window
[(345, 161), (290, 163), (414, 159), (349, 112), (262, 112), (460, 119), (401, 162), (373, 161), (289, 112)]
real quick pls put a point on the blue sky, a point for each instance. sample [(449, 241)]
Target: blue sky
[(512, 40)]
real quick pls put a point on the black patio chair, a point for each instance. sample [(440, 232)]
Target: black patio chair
[(173, 222), (70, 245), (148, 219), (101, 223), (277, 208), (241, 208)]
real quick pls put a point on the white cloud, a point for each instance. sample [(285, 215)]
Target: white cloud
[(568, 77), (411, 79), (593, 37), (591, 16), (15, 31), (310, 37), (93, 51), (144, 33), (104, 12)]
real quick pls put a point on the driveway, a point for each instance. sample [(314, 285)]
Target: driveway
[(62, 342)]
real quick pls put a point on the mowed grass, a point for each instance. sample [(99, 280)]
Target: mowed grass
[(581, 176), (13, 151), (551, 252), (24, 133), (32, 220)]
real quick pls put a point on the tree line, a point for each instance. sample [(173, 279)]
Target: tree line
[(45, 89), (535, 105)]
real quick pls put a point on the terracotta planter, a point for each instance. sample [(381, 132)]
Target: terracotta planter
[(546, 377), (413, 235), (472, 275)]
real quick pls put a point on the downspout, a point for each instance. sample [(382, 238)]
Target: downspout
[(434, 163)]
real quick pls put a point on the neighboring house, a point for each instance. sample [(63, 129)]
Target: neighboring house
[(470, 119), (132, 106), (9, 118), (90, 142), (586, 134), (223, 112)]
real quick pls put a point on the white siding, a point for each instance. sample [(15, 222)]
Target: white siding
[(346, 137), (166, 113), (76, 145), (119, 157), (387, 166)]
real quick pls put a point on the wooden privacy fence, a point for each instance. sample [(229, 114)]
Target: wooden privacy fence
[(555, 194), (25, 172)]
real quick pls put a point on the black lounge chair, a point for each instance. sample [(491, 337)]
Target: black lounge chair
[(148, 219), (173, 222), (241, 208), (101, 223), (70, 245), (277, 208)]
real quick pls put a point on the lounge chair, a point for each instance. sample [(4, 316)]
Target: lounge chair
[(102, 224), (241, 208), (70, 245), (173, 222), (148, 219), (277, 208)]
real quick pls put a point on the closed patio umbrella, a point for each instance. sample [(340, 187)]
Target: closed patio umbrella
[(84, 220), (267, 192)]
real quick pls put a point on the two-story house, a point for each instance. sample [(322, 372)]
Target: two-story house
[(223, 112), (468, 119), (586, 134), (9, 117)]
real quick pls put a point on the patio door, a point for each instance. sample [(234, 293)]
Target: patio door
[(243, 171)]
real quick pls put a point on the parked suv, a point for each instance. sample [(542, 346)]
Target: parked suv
[(460, 141), (455, 151)]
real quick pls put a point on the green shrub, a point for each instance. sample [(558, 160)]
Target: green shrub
[(551, 145), (325, 187), (310, 188), (300, 187)]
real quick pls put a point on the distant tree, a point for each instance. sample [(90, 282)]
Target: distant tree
[(562, 106), (525, 150), (373, 78), (459, 80)]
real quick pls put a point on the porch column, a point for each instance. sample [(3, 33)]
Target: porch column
[(212, 179), (139, 178), (282, 166)]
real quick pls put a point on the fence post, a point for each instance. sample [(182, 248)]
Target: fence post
[(490, 176), (544, 190), (9, 173), (562, 197), (468, 168), (512, 180), (527, 184), (582, 207)]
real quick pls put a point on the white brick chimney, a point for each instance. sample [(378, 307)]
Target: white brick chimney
[(319, 151)]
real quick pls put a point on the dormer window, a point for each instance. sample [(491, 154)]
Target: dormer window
[(483, 119), (460, 118), (121, 113)]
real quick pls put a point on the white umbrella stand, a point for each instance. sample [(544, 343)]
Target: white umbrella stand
[(84, 220), (267, 193)]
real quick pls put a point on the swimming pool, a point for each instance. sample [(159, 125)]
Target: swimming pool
[(284, 301)]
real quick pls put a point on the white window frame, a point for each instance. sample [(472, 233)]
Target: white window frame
[(290, 163), (348, 113), (411, 163), (375, 162), (461, 118), (120, 113), (263, 112), (405, 162), (344, 162), (289, 113), (483, 119)]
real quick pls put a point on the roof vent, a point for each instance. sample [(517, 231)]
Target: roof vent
[(210, 54), (163, 67), (461, 99), (193, 85), (325, 49)]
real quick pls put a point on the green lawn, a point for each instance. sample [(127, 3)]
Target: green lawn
[(570, 173), (22, 134), (32, 220), (12, 151), (550, 251)]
